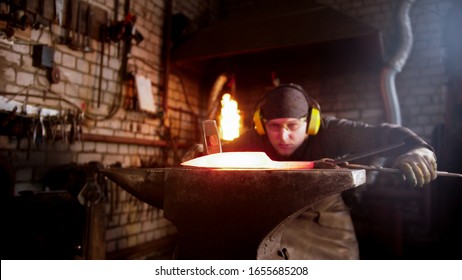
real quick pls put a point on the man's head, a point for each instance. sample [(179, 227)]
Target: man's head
[(286, 101), (284, 112)]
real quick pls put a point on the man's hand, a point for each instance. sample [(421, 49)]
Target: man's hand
[(418, 166)]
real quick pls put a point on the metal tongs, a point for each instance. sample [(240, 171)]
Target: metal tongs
[(344, 162), (393, 170)]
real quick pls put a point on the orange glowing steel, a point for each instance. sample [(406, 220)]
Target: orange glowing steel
[(245, 160), (230, 118)]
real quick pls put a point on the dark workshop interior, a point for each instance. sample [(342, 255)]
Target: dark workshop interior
[(94, 85)]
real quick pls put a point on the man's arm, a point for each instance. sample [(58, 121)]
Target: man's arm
[(416, 158)]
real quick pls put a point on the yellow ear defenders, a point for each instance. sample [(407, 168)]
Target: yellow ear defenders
[(313, 120), (258, 122)]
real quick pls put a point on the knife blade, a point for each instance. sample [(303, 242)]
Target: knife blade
[(245, 160)]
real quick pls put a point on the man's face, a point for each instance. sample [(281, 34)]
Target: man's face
[(286, 134)]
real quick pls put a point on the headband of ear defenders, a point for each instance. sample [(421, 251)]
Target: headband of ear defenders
[(284, 102)]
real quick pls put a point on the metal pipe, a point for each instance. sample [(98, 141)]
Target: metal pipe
[(216, 95), (167, 51), (396, 64)]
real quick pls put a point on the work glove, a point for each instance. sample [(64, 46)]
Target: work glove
[(418, 166)]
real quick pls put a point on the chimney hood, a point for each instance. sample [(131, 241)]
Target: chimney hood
[(288, 26)]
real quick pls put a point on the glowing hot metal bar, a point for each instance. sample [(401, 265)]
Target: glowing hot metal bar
[(246, 160)]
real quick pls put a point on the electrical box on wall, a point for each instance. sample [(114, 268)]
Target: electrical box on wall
[(42, 56)]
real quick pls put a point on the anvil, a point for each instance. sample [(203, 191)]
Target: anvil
[(231, 213)]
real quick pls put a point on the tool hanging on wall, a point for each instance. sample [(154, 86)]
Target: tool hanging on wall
[(103, 35), (125, 31), (86, 46), (27, 13), (61, 8), (79, 25), (101, 64), (83, 22)]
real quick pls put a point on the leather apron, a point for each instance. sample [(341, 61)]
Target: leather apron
[(322, 232)]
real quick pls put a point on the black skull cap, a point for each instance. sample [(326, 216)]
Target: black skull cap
[(285, 101)]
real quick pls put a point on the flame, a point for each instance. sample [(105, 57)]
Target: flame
[(230, 118), (246, 160)]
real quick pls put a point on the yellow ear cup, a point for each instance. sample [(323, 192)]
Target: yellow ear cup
[(315, 122), (258, 123)]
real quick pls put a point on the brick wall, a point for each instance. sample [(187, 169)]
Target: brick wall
[(421, 86), (130, 223)]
